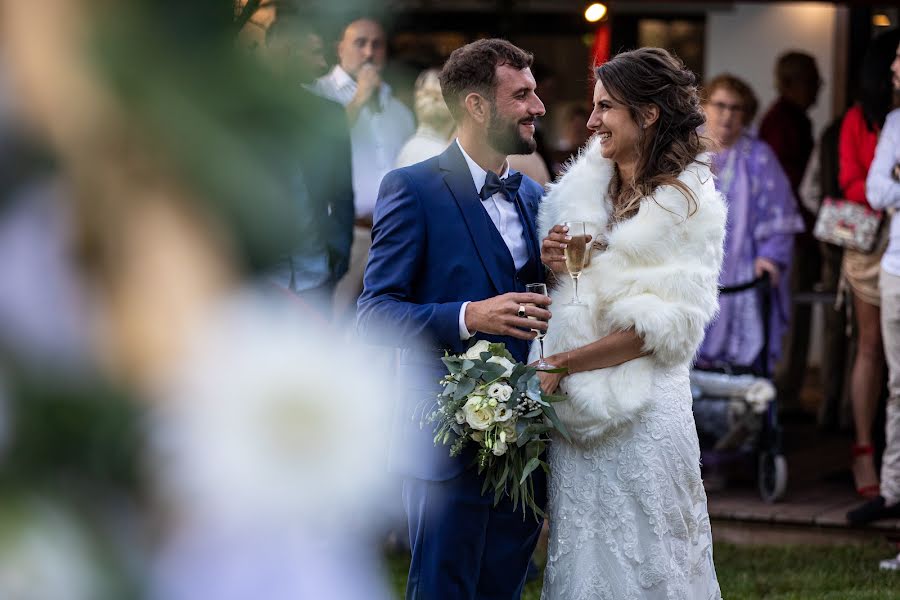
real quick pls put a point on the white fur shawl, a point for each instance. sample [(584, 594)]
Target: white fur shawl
[(659, 276)]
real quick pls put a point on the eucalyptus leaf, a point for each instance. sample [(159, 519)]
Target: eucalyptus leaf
[(498, 493), (516, 374), (464, 388), (493, 371), (530, 466), (550, 398), (475, 372), (550, 412)]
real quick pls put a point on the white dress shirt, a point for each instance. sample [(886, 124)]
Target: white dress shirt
[(375, 138), (883, 191), (505, 217)]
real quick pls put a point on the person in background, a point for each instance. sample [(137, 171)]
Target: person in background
[(787, 128), (859, 135), (762, 223), (548, 83), (532, 165), (883, 193), (436, 124), (322, 183), (819, 182), (379, 126)]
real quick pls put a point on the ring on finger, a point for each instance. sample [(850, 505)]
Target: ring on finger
[(521, 311)]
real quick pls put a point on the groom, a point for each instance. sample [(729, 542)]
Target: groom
[(453, 245)]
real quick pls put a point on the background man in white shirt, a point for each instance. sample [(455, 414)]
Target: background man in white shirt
[(379, 126)]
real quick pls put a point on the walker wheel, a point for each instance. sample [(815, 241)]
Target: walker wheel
[(772, 476)]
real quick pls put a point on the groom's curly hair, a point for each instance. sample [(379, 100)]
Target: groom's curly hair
[(473, 68), (653, 76)]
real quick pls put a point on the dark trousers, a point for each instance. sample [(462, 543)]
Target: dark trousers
[(462, 547), (791, 372), (835, 357)]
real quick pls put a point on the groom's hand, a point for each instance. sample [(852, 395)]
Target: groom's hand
[(500, 315)]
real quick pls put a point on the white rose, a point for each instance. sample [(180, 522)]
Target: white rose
[(759, 394), (460, 417), (502, 413), (503, 362), (499, 448), (476, 350), (508, 433), (479, 415)]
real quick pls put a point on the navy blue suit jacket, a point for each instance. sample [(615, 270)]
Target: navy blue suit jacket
[(433, 248)]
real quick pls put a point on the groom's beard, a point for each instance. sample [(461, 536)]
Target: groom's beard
[(504, 137)]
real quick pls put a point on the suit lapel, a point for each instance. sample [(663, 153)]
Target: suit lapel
[(495, 257), (527, 217)]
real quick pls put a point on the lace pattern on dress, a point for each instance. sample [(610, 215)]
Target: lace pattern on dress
[(628, 518)]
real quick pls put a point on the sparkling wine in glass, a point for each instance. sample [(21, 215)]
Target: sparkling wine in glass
[(575, 252), (539, 288)]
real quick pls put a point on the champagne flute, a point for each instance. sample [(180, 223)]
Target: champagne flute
[(539, 288), (575, 252)]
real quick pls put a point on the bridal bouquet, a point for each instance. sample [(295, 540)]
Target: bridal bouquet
[(492, 401)]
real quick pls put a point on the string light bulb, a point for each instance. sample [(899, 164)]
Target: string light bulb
[(595, 12)]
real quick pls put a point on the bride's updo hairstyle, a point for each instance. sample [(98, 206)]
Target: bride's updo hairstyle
[(648, 76)]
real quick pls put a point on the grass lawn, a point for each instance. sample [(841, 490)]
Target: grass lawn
[(774, 573)]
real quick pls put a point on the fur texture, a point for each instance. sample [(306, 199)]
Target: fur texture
[(659, 275)]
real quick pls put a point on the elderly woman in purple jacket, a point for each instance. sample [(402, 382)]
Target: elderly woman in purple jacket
[(762, 222)]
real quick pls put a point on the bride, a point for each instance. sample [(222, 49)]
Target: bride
[(628, 517)]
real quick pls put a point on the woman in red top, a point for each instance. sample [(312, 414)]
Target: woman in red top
[(858, 138)]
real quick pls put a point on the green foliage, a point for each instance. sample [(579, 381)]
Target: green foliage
[(65, 430)]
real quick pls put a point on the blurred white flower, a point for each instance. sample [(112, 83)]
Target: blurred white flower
[(271, 421), (476, 350), (505, 363), (759, 394), (502, 413), (460, 417), (479, 413), (500, 391), (499, 448), (44, 555)]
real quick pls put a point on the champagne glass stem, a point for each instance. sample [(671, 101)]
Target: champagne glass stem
[(541, 343), (575, 299)]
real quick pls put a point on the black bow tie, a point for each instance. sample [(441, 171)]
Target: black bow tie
[(493, 184)]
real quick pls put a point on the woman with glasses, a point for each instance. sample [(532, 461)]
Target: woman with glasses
[(762, 221)]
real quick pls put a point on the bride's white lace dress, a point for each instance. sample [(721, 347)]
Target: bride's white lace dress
[(628, 516)]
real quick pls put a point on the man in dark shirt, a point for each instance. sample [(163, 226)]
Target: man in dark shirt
[(786, 126), (316, 168), (788, 130)]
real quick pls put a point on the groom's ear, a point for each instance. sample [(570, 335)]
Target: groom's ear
[(477, 107)]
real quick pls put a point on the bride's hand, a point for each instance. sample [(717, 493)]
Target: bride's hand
[(553, 246), (550, 381)]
